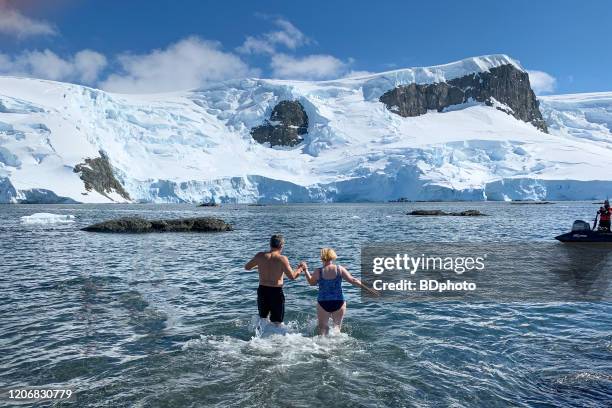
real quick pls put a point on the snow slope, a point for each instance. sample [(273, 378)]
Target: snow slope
[(195, 145)]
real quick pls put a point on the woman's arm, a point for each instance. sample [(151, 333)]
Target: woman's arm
[(312, 279), (354, 281)]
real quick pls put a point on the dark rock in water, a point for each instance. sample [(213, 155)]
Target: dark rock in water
[(209, 205), (530, 202), (97, 174), (466, 213), (504, 84), (427, 212), (131, 224), (287, 123), (141, 225)]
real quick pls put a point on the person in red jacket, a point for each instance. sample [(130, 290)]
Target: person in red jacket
[(605, 213)]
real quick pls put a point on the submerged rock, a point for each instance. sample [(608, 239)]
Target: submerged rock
[(466, 213), (288, 122), (141, 225), (505, 87)]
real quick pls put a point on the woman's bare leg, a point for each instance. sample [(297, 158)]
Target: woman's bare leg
[(323, 318), (337, 317)]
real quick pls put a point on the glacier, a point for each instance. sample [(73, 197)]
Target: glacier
[(195, 145)]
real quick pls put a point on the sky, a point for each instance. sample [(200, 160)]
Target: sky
[(140, 46)]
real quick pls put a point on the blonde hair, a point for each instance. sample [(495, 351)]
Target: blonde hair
[(328, 254)]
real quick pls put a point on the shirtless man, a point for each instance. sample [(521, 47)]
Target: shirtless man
[(272, 268)]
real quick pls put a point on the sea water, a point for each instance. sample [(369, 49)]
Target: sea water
[(163, 320)]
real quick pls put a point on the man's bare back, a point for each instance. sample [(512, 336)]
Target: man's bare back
[(272, 267)]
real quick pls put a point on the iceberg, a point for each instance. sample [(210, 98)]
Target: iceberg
[(47, 219)]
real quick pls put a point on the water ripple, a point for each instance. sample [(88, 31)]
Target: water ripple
[(166, 320)]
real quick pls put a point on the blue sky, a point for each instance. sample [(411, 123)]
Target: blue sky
[(149, 46)]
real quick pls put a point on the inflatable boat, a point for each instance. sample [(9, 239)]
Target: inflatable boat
[(582, 232)]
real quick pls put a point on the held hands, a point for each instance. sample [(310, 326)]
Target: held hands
[(303, 267)]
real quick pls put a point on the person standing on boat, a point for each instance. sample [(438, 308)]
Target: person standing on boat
[(605, 213)]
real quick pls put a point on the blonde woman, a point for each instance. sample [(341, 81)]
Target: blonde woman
[(331, 301)]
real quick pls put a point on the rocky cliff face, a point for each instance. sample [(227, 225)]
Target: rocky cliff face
[(97, 174), (288, 122), (505, 85)]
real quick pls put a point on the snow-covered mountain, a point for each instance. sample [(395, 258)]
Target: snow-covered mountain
[(469, 130)]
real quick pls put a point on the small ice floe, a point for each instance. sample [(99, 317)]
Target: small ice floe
[(47, 219)]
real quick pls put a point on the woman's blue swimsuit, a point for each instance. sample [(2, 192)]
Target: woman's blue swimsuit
[(330, 296)]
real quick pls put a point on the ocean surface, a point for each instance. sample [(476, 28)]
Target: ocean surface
[(167, 320)]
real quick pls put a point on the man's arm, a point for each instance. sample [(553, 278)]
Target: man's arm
[(288, 271), (253, 262)]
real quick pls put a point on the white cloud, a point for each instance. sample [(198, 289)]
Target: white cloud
[(13, 23), (542, 82), (189, 63), (308, 67), (253, 45), (357, 74), (85, 66), (88, 64), (288, 36)]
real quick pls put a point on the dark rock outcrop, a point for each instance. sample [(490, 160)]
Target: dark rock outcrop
[(288, 122), (97, 174), (505, 84), (518, 202), (466, 213), (141, 225)]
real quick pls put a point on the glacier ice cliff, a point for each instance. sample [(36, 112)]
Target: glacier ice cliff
[(342, 144)]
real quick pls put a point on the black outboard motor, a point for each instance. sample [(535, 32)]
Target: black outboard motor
[(581, 226), (582, 232)]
